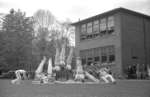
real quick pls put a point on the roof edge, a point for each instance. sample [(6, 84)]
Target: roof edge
[(120, 9)]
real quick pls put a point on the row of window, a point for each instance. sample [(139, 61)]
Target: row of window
[(97, 28), (98, 55)]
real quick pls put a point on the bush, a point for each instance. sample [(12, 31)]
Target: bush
[(31, 75), (8, 75)]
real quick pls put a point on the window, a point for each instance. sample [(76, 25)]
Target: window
[(104, 59), (96, 59), (83, 53), (111, 58), (103, 26), (83, 32), (83, 29), (96, 54), (90, 58), (83, 56), (89, 28), (83, 61), (110, 24), (104, 54), (96, 26), (111, 53), (90, 52)]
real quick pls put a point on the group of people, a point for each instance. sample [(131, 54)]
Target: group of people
[(137, 71), (95, 74), (80, 74)]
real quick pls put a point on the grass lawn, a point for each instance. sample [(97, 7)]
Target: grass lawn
[(124, 88)]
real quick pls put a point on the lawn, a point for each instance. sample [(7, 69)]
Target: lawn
[(124, 88)]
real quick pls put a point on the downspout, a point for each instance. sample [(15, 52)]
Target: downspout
[(145, 49)]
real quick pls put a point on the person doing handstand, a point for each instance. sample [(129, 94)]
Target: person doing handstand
[(105, 76)]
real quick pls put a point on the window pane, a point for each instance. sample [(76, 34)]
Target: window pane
[(83, 29), (96, 26), (89, 27), (83, 61), (104, 51), (103, 24), (111, 58), (111, 53), (96, 59), (90, 58), (111, 50), (104, 59), (110, 21), (110, 25)]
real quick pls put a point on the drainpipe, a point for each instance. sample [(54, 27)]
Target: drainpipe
[(145, 48)]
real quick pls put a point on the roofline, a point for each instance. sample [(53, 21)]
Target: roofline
[(116, 10)]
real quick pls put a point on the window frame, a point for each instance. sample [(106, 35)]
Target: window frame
[(111, 52), (111, 24), (89, 28), (83, 28), (96, 26), (103, 24)]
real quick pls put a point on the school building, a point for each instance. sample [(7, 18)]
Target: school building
[(120, 37)]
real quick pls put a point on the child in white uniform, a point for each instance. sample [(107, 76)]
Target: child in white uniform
[(79, 74), (104, 75), (20, 75)]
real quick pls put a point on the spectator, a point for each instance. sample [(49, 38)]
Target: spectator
[(138, 73), (148, 71)]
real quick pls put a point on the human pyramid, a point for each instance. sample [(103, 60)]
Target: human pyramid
[(79, 75)]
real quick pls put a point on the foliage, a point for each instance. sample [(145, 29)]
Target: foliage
[(17, 39), (43, 20)]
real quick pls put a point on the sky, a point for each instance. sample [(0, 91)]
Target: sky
[(74, 9)]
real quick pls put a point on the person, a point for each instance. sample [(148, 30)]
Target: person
[(79, 76), (129, 72), (44, 78), (148, 71), (138, 73), (105, 76), (20, 75), (39, 71), (79, 73)]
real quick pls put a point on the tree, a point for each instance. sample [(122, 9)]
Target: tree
[(43, 20), (49, 30), (18, 35), (2, 59), (63, 40)]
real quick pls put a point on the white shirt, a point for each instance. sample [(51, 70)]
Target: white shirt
[(20, 70), (103, 72)]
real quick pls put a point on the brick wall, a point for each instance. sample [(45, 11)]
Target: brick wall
[(132, 40)]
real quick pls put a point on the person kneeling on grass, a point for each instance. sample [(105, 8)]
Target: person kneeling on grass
[(105, 76), (20, 75)]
